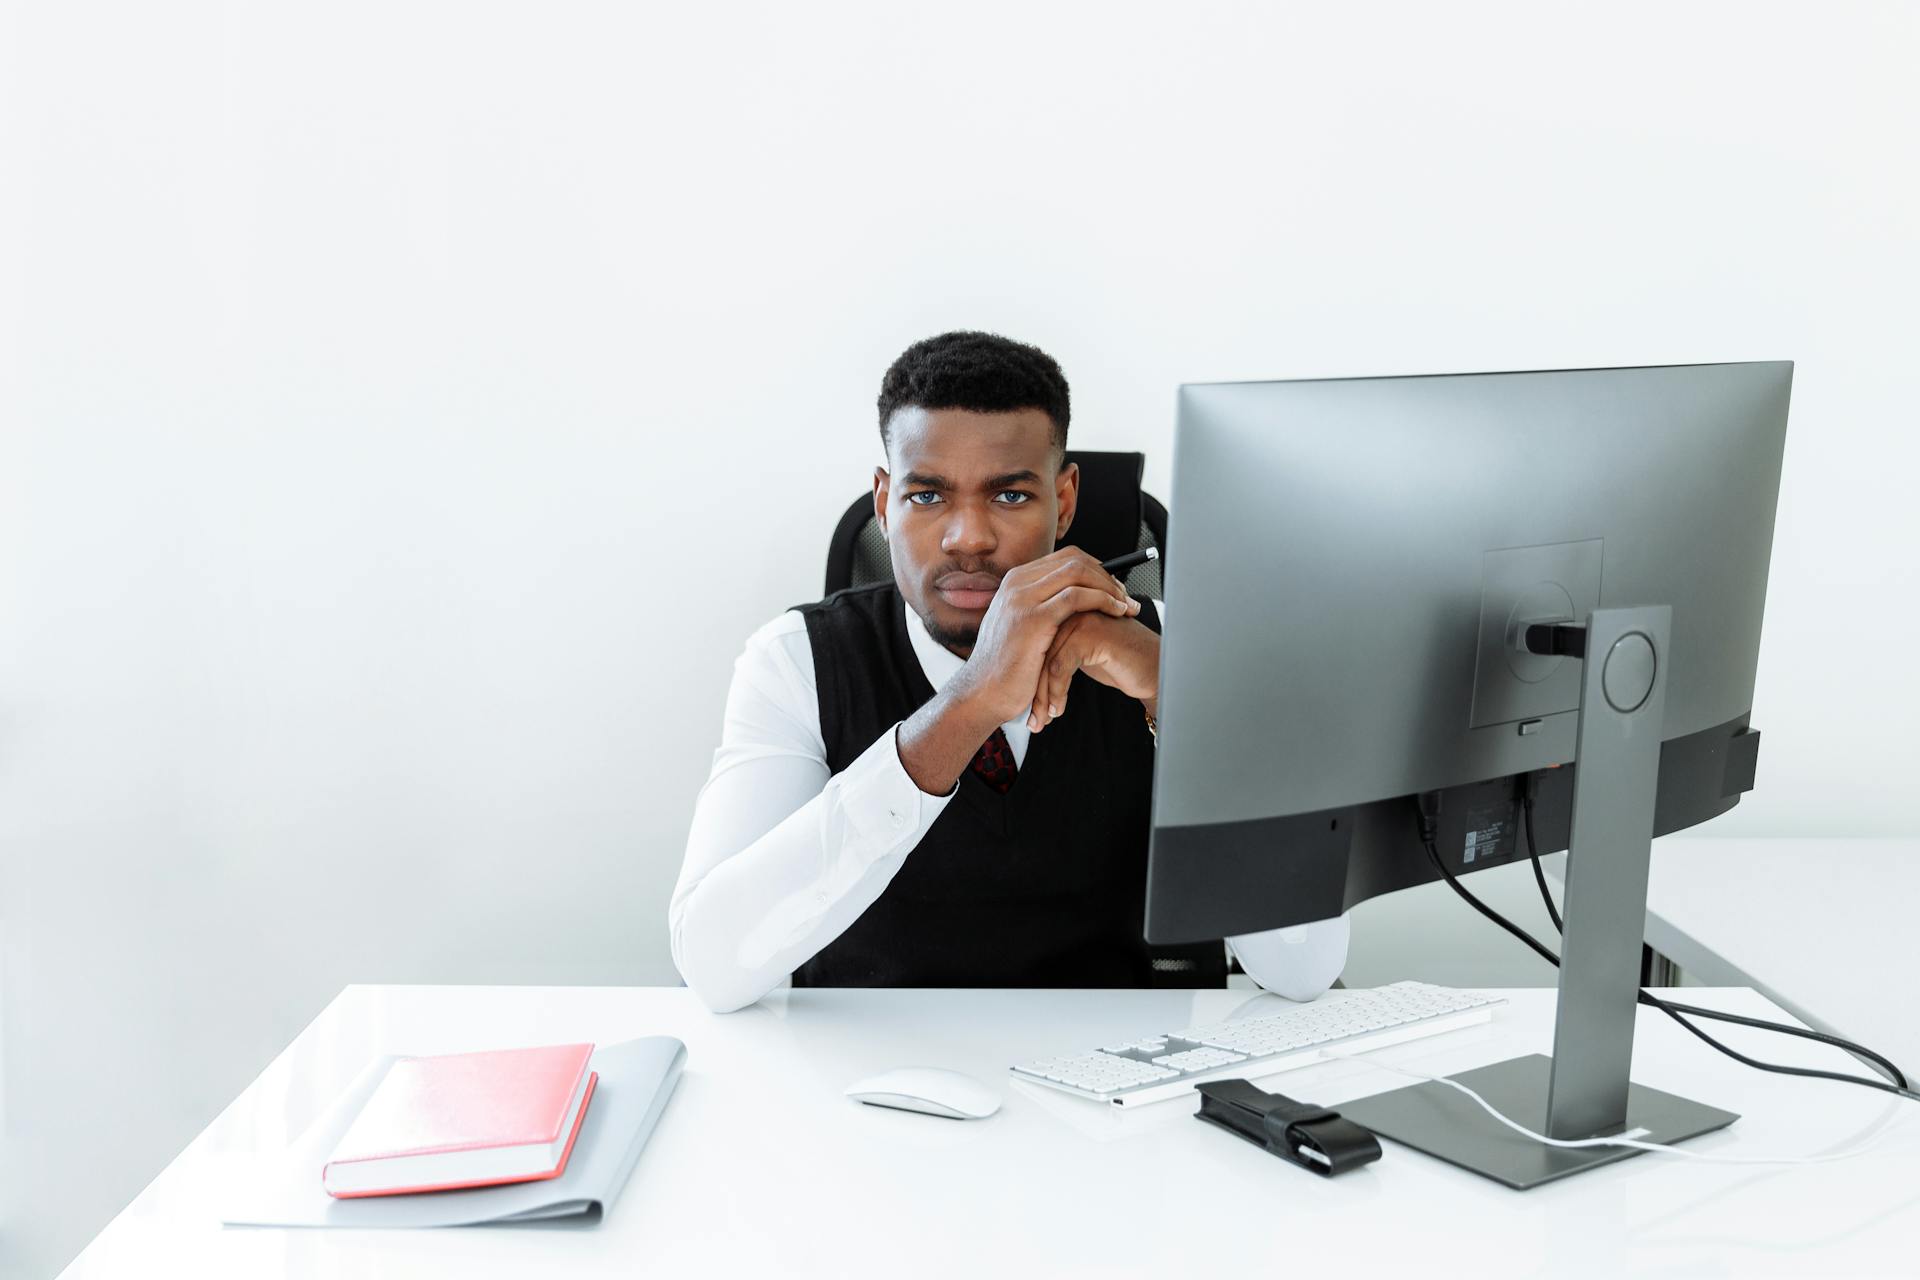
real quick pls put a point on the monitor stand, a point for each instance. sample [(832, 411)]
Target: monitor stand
[(1583, 1090)]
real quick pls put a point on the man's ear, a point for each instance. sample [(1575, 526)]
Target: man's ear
[(880, 482), (1066, 492)]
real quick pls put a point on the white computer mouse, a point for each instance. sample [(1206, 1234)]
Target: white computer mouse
[(933, 1091)]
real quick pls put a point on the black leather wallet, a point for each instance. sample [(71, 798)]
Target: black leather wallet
[(1312, 1137)]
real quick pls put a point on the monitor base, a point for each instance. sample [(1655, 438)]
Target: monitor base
[(1450, 1126)]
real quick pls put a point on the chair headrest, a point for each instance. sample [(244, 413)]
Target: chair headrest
[(1107, 523)]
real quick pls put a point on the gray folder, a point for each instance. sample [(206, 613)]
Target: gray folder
[(636, 1079)]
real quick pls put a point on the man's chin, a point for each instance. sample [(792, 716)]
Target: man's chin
[(959, 635)]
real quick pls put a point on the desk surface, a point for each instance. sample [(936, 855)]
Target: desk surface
[(760, 1166)]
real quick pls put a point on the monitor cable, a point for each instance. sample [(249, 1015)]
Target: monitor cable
[(1672, 1008), (1429, 809)]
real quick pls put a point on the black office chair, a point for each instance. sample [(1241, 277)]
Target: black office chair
[(1115, 516)]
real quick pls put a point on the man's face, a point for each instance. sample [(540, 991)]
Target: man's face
[(964, 498)]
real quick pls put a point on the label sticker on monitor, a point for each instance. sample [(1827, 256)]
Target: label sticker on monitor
[(1489, 834)]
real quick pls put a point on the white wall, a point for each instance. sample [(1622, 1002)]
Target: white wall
[(407, 409)]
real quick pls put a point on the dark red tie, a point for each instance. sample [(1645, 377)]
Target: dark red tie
[(994, 762)]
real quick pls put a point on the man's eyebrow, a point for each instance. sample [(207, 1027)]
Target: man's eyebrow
[(1013, 478), (924, 480)]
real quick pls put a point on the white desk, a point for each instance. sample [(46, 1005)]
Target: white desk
[(1824, 928), (760, 1167)]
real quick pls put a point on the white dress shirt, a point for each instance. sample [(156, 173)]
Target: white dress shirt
[(783, 856)]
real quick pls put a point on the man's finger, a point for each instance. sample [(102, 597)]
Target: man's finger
[(1084, 571), (1042, 694), (1068, 601), (1042, 698), (1071, 649), (1081, 572), (1057, 668)]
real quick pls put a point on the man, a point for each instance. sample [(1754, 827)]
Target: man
[(944, 780)]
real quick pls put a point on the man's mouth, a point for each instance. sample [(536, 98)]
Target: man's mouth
[(969, 591)]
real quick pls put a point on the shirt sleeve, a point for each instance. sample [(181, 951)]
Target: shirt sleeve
[(783, 856), (1299, 962)]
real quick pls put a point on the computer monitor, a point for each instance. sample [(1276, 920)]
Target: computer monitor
[(1396, 596)]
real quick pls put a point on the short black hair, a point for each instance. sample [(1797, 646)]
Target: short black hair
[(983, 372)]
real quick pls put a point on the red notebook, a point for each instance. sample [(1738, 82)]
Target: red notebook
[(465, 1120)]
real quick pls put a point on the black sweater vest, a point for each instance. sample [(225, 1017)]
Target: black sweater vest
[(1041, 887)]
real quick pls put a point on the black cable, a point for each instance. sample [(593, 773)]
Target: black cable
[(1670, 1006), (1433, 855), (1533, 852), (1899, 1076)]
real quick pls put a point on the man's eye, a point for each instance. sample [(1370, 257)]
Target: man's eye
[(929, 494), (1014, 498)]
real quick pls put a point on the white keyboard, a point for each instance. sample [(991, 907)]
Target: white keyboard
[(1168, 1066)]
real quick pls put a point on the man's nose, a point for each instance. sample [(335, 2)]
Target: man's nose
[(968, 532)]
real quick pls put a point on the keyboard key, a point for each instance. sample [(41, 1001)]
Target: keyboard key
[(1347, 1019)]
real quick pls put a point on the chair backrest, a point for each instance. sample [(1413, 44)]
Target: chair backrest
[(1115, 516)]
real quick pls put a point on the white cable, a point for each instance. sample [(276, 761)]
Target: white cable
[(1620, 1140)]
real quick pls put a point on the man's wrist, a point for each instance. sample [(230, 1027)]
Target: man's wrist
[(938, 742), (960, 705), (1150, 657), (913, 762)]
